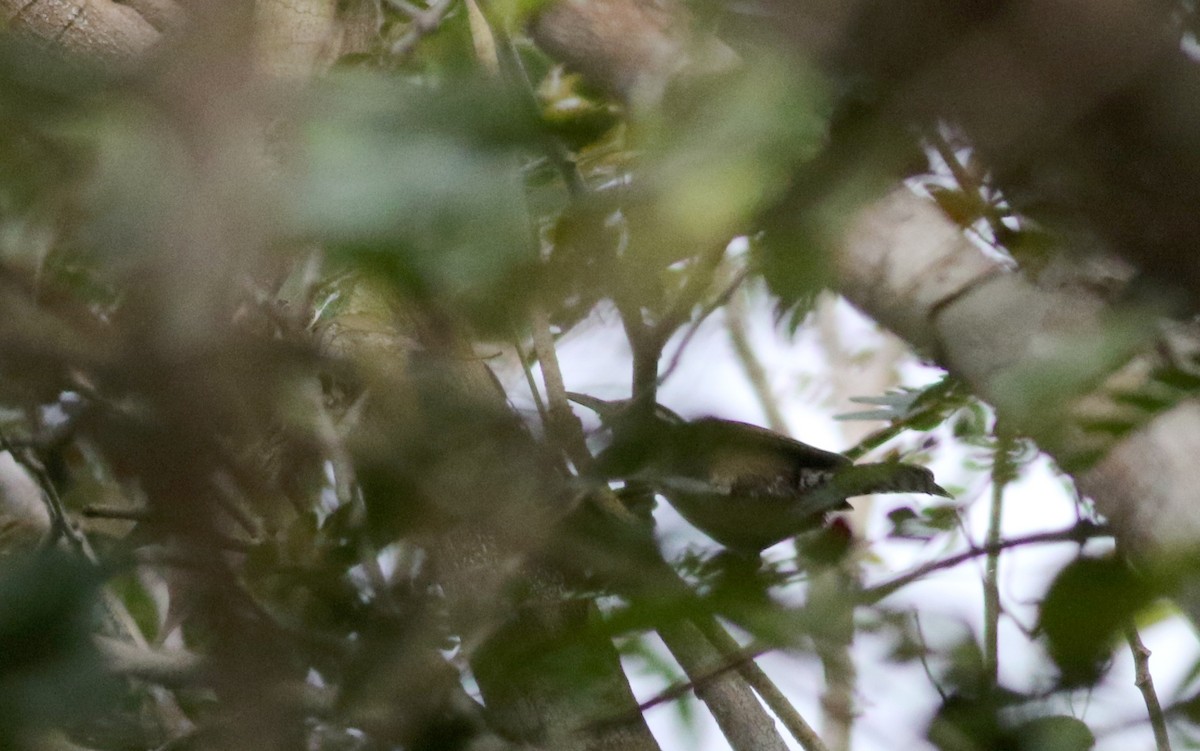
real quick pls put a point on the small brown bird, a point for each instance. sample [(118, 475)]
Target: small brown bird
[(744, 486)]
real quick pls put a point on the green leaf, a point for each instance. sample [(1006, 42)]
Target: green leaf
[(423, 190), (1088, 604), (1055, 733), (50, 671), (139, 602)]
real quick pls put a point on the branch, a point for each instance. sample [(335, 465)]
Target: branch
[(742, 659), (1145, 683), (562, 422), (98, 29), (97, 511), (742, 719), (1079, 533), (680, 688), (173, 668), (912, 269), (967, 182), (424, 22), (762, 684)]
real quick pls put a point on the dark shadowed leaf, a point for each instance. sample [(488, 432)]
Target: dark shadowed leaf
[(1082, 615), (50, 672)]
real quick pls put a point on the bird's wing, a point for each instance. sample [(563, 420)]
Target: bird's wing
[(768, 443)]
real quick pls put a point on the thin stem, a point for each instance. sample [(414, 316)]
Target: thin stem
[(424, 22), (1079, 533), (530, 381), (648, 341), (115, 512), (730, 699), (58, 511), (924, 659), (735, 323), (563, 425), (717, 302), (406, 8), (1002, 471), (966, 181), (1145, 683), (693, 291)]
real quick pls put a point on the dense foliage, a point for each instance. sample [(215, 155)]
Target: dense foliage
[(281, 501)]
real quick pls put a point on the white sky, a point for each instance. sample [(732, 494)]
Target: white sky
[(896, 701)]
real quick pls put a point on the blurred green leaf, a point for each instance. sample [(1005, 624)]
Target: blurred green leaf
[(50, 672), (969, 723), (718, 155), (931, 522), (139, 602), (1055, 733), (1084, 611), (422, 188)]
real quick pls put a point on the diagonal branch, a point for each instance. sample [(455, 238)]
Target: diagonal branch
[(1079, 534)]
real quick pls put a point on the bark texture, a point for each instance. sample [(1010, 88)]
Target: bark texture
[(907, 265), (95, 29)]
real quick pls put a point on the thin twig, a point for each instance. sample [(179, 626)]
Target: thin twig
[(58, 508), (120, 619), (1145, 683), (172, 668), (698, 282), (717, 302), (406, 8), (1001, 472), (530, 381), (563, 425), (924, 658), (966, 181), (502, 56), (735, 323), (114, 512), (647, 341), (1078, 533), (423, 23)]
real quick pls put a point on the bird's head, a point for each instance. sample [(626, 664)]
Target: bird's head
[(638, 435), (612, 412)]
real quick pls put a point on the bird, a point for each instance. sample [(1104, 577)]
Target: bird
[(744, 486)]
